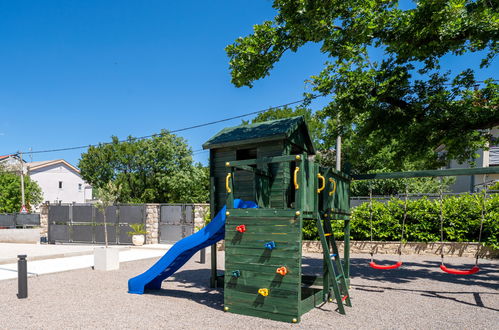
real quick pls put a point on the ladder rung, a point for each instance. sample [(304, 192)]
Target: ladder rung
[(339, 276), (332, 255), (328, 234)]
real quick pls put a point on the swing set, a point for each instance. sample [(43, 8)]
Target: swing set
[(433, 173)]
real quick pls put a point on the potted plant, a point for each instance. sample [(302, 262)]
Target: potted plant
[(138, 234), (106, 258)]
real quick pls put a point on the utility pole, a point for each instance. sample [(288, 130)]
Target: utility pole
[(22, 182)]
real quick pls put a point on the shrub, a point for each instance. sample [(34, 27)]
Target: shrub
[(462, 216)]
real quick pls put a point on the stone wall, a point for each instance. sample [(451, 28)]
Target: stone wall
[(200, 212), (456, 249), (410, 248), (44, 220), (152, 223)]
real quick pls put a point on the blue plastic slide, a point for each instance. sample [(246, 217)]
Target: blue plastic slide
[(182, 251)]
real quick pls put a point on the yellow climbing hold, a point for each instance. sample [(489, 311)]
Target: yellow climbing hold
[(264, 292)]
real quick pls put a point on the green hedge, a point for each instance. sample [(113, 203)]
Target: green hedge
[(462, 216)]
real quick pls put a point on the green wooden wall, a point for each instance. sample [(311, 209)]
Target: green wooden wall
[(246, 253), (267, 192)]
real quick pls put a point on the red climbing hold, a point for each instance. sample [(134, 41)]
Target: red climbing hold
[(241, 228)]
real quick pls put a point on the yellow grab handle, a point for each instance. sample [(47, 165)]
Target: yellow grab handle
[(295, 178), (227, 182), (334, 186), (323, 183)]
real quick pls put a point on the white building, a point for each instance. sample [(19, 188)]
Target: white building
[(486, 158), (60, 181), (11, 163)]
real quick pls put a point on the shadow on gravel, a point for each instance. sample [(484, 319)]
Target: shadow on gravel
[(488, 277), (181, 285), (194, 284)]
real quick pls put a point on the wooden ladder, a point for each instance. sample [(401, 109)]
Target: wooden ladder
[(334, 277)]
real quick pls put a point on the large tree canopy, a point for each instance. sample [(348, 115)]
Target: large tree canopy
[(402, 105), (156, 170), (10, 192)]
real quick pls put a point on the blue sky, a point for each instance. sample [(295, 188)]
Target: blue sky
[(77, 72)]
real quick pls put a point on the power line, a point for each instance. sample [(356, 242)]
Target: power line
[(174, 131), (187, 128)]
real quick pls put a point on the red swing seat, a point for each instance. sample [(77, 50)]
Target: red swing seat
[(453, 271), (382, 267)]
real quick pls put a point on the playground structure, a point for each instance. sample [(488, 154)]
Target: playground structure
[(263, 187), (268, 164)]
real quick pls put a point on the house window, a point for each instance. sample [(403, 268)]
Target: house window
[(80, 186), (60, 184)]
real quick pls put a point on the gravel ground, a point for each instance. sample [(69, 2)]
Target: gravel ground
[(417, 296)]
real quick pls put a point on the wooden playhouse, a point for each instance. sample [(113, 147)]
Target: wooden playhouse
[(271, 163)]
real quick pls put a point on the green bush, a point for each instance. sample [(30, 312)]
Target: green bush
[(462, 215)]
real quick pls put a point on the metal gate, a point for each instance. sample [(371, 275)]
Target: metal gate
[(176, 222), (18, 220), (83, 223)]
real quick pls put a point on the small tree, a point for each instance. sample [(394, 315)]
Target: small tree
[(108, 195)]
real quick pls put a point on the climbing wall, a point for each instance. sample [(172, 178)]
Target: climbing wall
[(263, 264)]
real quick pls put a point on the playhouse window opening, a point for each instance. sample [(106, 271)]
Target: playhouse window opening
[(244, 154)]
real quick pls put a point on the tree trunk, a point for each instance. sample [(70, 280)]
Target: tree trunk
[(105, 226)]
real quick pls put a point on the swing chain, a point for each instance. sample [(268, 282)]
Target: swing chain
[(482, 220), (404, 218), (441, 197), (371, 219)]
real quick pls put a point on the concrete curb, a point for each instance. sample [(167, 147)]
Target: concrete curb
[(56, 256)]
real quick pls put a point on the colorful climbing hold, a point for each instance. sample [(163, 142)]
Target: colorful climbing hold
[(270, 245), (236, 273), (241, 228), (263, 291), (282, 271)]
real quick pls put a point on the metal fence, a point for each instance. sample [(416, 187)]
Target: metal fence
[(176, 222), (16, 220), (358, 200), (83, 223)]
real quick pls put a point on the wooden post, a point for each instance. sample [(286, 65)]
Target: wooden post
[(338, 153), (213, 248)]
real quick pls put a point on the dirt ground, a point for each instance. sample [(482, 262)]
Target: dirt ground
[(416, 296)]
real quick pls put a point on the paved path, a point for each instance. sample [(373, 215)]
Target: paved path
[(46, 259)]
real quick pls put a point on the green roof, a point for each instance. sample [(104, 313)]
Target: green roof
[(279, 129)]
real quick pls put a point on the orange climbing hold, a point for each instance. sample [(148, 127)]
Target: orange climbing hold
[(282, 271), (241, 228), (264, 292)]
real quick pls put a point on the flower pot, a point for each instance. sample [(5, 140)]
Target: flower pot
[(106, 258), (138, 240)]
